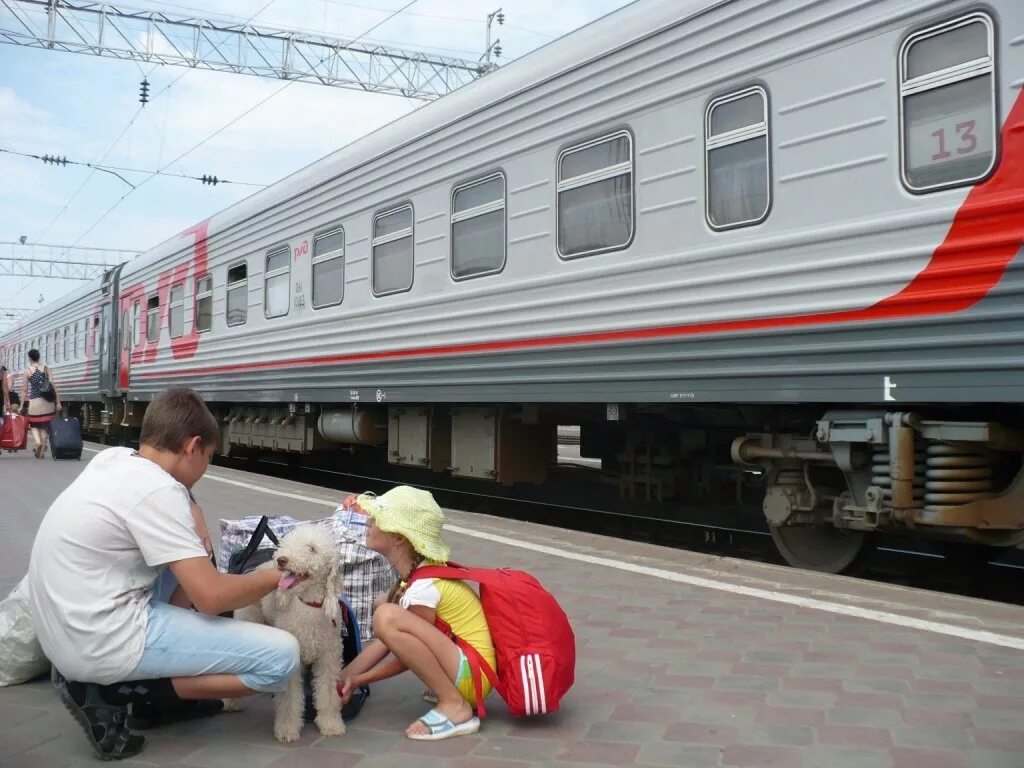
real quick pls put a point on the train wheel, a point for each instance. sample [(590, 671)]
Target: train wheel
[(818, 548)]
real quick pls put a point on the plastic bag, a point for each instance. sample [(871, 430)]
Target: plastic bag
[(21, 656)]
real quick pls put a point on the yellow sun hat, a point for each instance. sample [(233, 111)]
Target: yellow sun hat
[(412, 513)]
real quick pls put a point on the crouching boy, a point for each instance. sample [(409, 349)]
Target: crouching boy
[(116, 567)]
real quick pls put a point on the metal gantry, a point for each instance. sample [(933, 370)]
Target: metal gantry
[(58, 261), (188, 41)]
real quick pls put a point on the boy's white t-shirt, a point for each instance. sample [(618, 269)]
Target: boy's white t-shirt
[(96, 555)]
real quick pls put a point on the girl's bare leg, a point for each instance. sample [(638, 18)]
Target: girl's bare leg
[(433, 657)]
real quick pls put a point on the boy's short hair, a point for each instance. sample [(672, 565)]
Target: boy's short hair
[(178, 415)]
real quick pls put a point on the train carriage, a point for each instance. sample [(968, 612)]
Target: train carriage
[(782, 235)]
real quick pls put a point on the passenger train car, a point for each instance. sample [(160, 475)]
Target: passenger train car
[(771, 239)]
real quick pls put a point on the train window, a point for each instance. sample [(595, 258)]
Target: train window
[(153, 318), (948, 104), (136, 336), (204, 304), (277, 283), (238, 295), (737, 176), (478, 227), (74, 342), (392, 264), (328, 268), (176, 312), (595, 196), (66, 354)]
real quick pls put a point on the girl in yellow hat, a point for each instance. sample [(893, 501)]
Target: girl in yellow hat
[(405, 526)]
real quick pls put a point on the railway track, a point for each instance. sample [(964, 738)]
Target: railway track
[(572, 503)]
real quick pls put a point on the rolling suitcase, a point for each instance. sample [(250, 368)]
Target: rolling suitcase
[(14, 433), (65, 438)]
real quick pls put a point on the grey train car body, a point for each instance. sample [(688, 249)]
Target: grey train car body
[(807, 212)]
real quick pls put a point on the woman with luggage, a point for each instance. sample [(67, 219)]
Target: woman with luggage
[(41, 400), (5, 396), (5, 391)]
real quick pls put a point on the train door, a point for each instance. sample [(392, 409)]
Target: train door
[(105, 352), (106, 346), (124, 369)]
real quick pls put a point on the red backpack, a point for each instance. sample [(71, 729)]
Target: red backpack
[(534, 644)]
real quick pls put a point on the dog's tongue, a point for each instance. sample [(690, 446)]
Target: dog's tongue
[(288, 580)]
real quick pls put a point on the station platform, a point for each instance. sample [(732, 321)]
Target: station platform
[(684, 659)]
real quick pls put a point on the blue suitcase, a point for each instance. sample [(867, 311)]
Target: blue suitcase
[(65, 438)]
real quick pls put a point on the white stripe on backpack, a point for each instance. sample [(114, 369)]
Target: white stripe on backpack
[(540, 685)]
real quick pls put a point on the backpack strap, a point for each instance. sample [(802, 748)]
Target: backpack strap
[(484, 576), (477, 663)]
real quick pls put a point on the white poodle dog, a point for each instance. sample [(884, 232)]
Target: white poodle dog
[(305, 604)]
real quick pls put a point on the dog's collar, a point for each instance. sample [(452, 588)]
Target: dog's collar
[(320, 605)]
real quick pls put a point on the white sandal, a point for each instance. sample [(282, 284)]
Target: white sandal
[(439, 727)]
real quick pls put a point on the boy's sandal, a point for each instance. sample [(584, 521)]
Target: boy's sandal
[(104, 724), (439, 727)]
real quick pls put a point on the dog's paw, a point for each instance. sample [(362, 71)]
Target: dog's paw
[(330, 726), (286, 734), (232, 705)]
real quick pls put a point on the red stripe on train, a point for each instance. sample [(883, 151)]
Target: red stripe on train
[(986, 234)]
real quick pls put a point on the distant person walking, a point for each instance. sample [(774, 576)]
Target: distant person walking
[(5, 394), (40, 400)]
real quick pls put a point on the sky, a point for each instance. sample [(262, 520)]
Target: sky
[(77, 106)]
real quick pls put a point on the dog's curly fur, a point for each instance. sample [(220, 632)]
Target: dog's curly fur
[(308, 550)]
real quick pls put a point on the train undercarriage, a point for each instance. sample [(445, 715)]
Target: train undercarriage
[(826, 478)]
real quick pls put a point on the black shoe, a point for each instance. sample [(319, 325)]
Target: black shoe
[(104, 724), (146, 715)]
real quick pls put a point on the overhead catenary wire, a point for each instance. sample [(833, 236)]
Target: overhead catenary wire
[(360, 6), (131, 122), (227, 125), (53, 160)]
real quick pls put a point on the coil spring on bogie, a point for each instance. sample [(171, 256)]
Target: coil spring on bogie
[(881, 476), (955, 475)]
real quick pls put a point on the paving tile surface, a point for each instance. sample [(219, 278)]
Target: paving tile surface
[(668, 674)]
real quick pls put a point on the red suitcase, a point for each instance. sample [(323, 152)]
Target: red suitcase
[(14, 433)]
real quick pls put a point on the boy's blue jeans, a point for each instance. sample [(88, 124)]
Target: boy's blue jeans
[(184, 643)]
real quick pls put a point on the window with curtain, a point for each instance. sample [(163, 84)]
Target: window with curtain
[(392, 248), (176, 312), (595, 196), (204, 304), (478, 227), (153, 318), (328, 268), (277, 282), (737, 163), (947, 100), (237, 309)]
